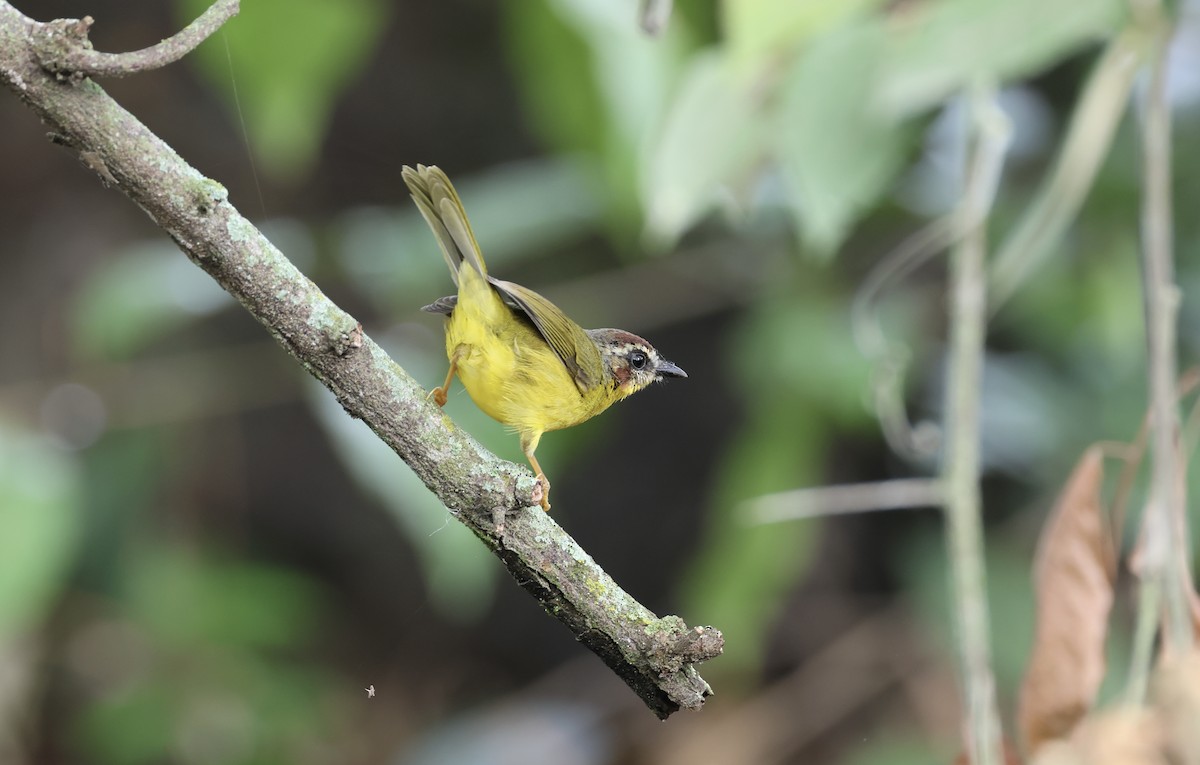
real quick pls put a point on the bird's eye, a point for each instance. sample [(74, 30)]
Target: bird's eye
[(637, 360)]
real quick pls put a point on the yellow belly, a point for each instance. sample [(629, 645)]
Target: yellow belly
[(508, 369)]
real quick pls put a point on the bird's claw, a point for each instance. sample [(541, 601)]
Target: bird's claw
[(544, 483), (438, 395)]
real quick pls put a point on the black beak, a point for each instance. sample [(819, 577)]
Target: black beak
[(667, 369)]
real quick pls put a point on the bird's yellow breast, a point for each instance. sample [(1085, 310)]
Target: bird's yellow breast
[(508, 369)]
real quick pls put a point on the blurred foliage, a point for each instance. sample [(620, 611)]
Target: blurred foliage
[(596, 85), (827, 89), (282, 65), (794, 403), (895, 748), (40, 494), (459, 571), (141, 296), (713, 119), (838, 152), (758, 30), (386, 252), (211, 681), (944, 47)]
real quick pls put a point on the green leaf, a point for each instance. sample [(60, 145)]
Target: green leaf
[(939, 48), (557, 77), (712, 134), (758, 29), (597, 84), (838, 153), (40, 495), (290, 60), (633, 70)]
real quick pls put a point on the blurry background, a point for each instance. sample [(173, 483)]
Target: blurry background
[(203, 560)]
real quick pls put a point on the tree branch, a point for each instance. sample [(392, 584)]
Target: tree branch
[(896, 494), (987, 142), (63, 48), (491, 497), (1166, 557)]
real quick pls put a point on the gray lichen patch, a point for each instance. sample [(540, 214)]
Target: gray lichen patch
[(241, 231), (207, 194), (326, 319), (669, 624)]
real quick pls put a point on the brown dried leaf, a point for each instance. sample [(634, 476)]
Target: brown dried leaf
[(1176, 698), (1120, 736), (1073, 584)]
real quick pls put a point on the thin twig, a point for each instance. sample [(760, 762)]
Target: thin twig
[(493, 498), (890, 359), (1166, 553), (798, 504), (1132, 454), (1145, 627), (67, 52), (960, 471)]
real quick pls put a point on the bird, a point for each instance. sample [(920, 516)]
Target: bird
[(523, 361), (370, 691)]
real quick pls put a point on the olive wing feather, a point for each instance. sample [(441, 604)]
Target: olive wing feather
[(569, 340), (577, 356)]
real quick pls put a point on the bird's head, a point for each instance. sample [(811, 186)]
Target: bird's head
[(630, 363)]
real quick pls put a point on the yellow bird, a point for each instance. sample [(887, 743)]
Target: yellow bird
[(524, 362)]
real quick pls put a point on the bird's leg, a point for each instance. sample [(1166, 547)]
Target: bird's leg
[(541, 477), (529, 445), (439, 394)]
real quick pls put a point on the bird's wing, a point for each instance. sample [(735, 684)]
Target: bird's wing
[(570, 342)]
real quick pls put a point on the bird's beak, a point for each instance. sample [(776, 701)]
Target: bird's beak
[(668, 369)]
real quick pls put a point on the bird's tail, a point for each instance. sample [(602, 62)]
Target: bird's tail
[(443, 211)]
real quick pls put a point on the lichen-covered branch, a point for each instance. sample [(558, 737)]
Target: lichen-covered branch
[(492, 497), (64, 50)]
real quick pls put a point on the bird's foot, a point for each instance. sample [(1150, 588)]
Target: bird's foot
[(545, 483), (438, 395)]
